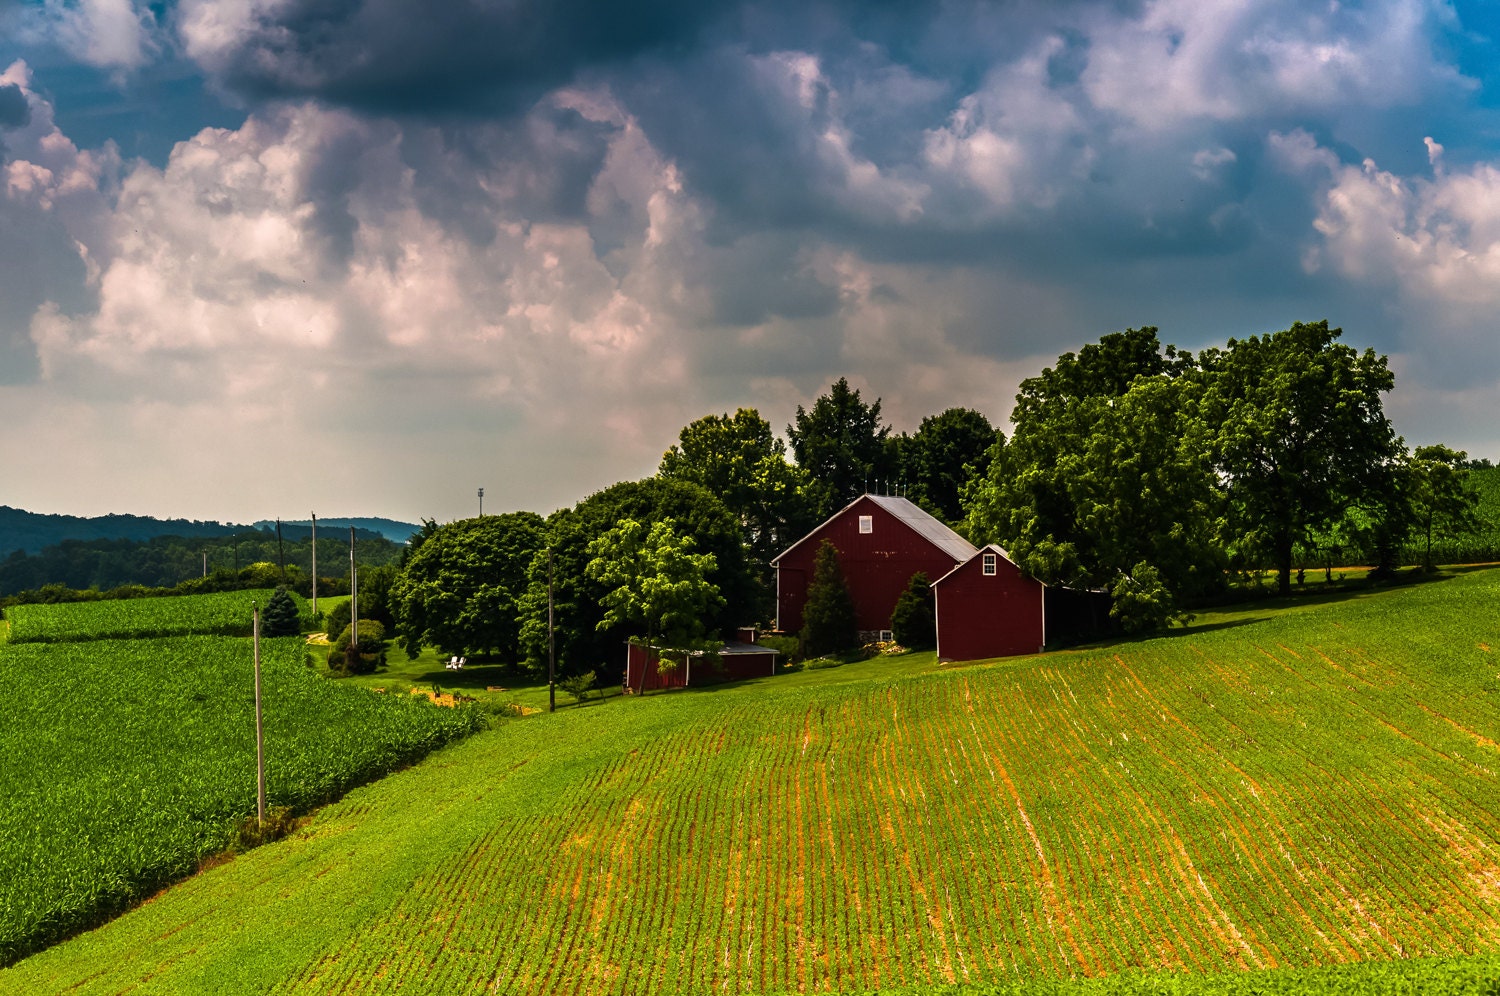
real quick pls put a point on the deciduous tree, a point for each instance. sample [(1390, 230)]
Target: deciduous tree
[(459, 591), (1108, 468), (840, 442), (741, 461), (653, 579), (1300, 434), (1442, 495), (942, 456), (577, 598)]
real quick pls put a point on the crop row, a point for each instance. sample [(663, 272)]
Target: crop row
[(124, 763), (220, 614)]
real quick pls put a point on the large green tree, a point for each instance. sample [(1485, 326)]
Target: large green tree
[(742, 462), (654, 580), (1107, 473), (1300, 435), (841, 443), (578, 599), (938, 461), (459, 591), (1441, 494)]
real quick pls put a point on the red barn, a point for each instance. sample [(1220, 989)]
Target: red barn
[(882, 541)]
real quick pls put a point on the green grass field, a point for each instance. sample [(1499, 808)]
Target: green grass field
[(1229, 808), (225, 613)]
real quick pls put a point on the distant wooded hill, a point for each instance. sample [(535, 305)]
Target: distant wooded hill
[(396, 532), (34, 531), (166, 561)]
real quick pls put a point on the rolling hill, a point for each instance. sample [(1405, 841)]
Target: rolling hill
[(1275, 790)]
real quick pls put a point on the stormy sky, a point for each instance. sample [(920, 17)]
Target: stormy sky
[(361, 257)]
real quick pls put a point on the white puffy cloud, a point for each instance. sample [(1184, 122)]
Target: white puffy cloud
[(1181, 60), (1428, 246), (1016, 140), (119, 35), (294, 293)]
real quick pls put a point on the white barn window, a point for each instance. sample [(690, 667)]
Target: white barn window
[(867, 523), (988, 564)]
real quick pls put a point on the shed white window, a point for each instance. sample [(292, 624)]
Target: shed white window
[(989, 564), (867, 523)]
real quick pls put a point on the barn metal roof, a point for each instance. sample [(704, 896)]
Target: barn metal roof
[(930, 528), (917, 520)]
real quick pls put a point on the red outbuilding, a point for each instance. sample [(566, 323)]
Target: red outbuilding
[(987, 607), (882, 541), (737, 660)]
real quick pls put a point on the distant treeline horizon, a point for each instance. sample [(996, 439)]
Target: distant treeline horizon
[(164, 562), (32, 532)]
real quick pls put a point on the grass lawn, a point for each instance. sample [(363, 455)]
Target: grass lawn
[(491, 684)]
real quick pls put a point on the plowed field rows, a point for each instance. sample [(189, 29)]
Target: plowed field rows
[(1313, 787)]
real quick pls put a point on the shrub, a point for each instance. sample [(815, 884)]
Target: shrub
[(578, 686), (1142, 602), (364, 659), (789, 647)]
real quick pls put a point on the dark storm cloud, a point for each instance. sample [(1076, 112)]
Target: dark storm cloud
[(14, 111), (389, 55)]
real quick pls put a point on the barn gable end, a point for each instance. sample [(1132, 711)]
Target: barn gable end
[(988, 607), (882, 541)]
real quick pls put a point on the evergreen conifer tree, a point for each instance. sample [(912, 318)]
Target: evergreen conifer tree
[(913, 623), (281, 617), (828, 623)]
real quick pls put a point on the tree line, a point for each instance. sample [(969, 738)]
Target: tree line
[(71, 569), (1131, 466)]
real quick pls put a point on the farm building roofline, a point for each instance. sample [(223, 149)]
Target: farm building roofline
[(915, 519)]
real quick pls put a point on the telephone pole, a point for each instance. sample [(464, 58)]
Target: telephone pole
[(315, 563), (551, 643), (260, 743), (353, 594)]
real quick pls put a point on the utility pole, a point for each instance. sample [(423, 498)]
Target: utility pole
[(260, 743), (481, 503), (353, 594), (551, 647), (205, 562), (280, 551), (315, 563)]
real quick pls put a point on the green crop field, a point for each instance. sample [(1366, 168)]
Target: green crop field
[(1278, 788), (124, 763), (222, 614)]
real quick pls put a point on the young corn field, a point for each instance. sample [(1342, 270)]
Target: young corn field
[(225, 613), (1273, 790), (124, 763)]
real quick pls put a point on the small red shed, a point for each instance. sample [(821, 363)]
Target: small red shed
[(737, 660), (882, 541), (987, 607)]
